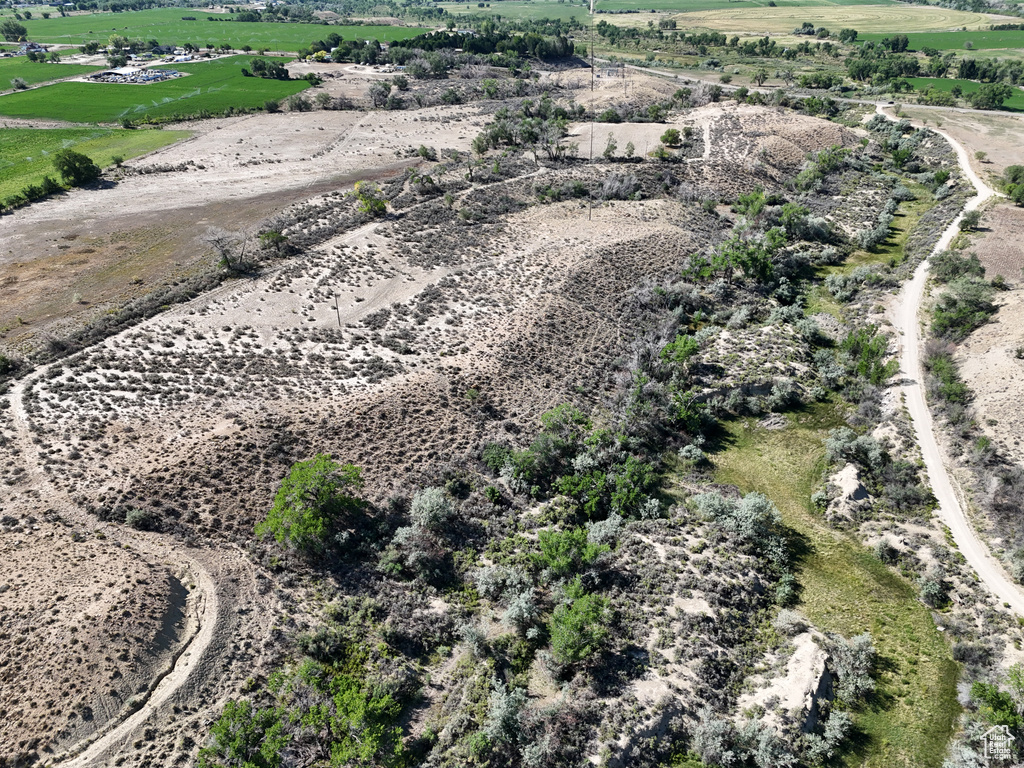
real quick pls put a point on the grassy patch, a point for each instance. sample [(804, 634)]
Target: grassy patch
[(166, 26), (213, 86), (33, 73), (954, 41), (1014, 104), (904, 221), (27, 152), (846, 589)]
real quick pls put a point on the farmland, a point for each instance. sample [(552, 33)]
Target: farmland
[(167, 26), (864, 18), (957, 41), (33, 73), (27, 153), (1014, 103), (213, 86)]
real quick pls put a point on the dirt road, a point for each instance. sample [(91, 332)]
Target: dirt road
[(951, 508)]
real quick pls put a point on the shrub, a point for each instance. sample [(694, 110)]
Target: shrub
[(619, 187), (504, 708), (853, 662), (431, 509), (564, 553), (790, 623), (947, 266), (579, 626), (245, 736), (315, 496), (140, 519), (966, 305)]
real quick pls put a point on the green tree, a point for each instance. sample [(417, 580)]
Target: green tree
[(315, 496), (12, 31), (75, 168), (671, 137), (369, 199), (680, 350), (245, 737), (970, 221), (990, 96)]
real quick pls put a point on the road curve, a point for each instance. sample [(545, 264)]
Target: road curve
[(951, 508)]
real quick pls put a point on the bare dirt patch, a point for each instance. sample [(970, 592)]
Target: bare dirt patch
[(72, 257), (999, 136), (992, 358)]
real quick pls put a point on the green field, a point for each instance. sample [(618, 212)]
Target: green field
[(213, 86), (1015, 103), (33, 73), (954, 41), (846, 589), (165, 26), (26, 154)]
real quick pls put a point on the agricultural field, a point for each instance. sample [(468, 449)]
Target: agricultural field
[(166, 26), (27, 153), (864, 18), (33, 73), (645, 11), (211, 86), (979, 39), (1015, 103)]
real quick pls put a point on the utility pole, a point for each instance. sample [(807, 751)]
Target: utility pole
[(337, 310), (590, 210)]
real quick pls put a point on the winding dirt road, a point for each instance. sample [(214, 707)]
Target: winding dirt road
[(951, 508), (221, 580)]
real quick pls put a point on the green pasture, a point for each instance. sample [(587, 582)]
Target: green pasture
[(846, 589), (1014, 103), (213, 86), (165, 25), (954, 41), (32, 72), (26, 154)]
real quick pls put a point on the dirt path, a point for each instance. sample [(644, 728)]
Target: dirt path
[(951, 508), (190, 665)]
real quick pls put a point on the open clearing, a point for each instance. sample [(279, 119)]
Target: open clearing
[(863, 18), (166, 26), (211, 86), (27, 153), (846, 589), (36, 72)]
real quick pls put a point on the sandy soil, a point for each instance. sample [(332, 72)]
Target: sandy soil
[(988, 359), (148, 228), (999, 136)]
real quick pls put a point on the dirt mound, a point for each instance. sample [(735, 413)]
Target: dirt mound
[(108, 617)]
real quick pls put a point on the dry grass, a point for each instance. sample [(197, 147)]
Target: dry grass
[(863, 18)]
